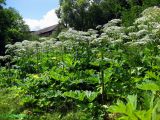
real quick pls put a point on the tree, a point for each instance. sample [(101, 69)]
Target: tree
[(95, 16), (111, 9), (2, 2), (85, 14), (135, 8), (19, 30), (12, 27), (75, 13)]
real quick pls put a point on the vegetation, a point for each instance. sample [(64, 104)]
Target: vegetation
[(12, 27), (109, 73), (86, 14)]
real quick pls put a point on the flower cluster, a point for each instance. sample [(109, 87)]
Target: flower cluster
[(145, 29)]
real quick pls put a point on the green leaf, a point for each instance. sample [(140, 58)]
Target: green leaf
[(123, 118), (132, 100), (91, 95), (156, 111), (151, 74), (58, 76), (120, 107), (75, 95), (144, 115), (148, 115), (108, 73), (148, 86)]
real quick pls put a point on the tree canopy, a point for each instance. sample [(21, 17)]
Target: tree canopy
[(12, 27), (85, 14)]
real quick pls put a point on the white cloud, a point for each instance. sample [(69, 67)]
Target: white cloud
[(50, 18)]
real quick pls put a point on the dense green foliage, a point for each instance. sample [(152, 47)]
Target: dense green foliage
[(86, 14), (12, 27), (109, 73)]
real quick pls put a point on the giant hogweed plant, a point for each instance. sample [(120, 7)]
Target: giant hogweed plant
[(143, 107), (132, 111), (92, 68), (136, 59), (30, 55)]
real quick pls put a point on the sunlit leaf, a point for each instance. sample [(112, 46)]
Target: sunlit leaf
[(148, 86)]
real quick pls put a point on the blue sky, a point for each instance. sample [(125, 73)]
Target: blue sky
[(37, 14)]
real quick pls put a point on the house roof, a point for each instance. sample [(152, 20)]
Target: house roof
[(45, 30)]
